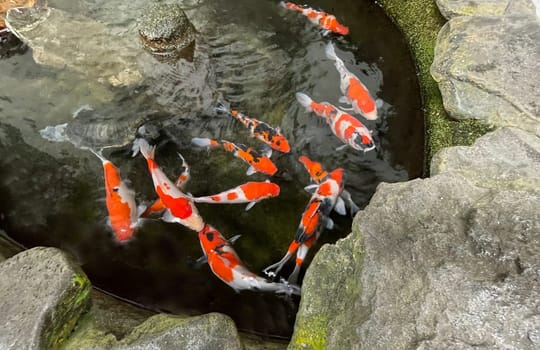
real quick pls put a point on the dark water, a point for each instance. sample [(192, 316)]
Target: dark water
[(256, 55)]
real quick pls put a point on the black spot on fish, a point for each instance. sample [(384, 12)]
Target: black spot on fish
[(210, 236), (115, 189)]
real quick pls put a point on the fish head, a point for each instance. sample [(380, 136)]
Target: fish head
[(341, 29), (210, 238), (362, 141), (281, 144), (315, 169), (123, 233), (265, 165)]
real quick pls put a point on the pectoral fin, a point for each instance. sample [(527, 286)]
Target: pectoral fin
[(329, 223), (340, 148), (234, 239), (344, 100), (251, 170), (311, 188), (340, 207), (250, 205)]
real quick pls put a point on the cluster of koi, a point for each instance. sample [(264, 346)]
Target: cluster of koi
[(327, 190)]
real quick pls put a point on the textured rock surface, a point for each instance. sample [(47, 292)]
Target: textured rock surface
[(103, 55), (42, 294), (454, 8), (452, 261), (487, 68)]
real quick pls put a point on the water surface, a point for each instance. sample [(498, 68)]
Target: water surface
[(256, 55)]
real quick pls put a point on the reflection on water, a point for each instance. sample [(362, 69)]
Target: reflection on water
[(256, 55)]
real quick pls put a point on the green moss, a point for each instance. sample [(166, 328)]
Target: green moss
[(310, 334), (420, 22), (81, 282)]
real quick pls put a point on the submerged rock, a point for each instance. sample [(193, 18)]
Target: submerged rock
[(5, 5), (455, 8), (90, 50), (487, 68), (166, 32), (43, 293), (451, 261)]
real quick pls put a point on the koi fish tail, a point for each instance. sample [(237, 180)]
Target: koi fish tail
[(223, 106), (304, 100), (274, 269), (141, 145), (284, 287), (98, 154), (204, 142)]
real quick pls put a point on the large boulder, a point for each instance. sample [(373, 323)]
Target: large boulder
[(42, 294), (455, 8), (487, 68), (452, 261)]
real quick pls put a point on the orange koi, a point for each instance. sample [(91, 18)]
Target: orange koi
[(120, 200), (258, 162), (227, 266), (354, 92), (346, 127), (184, 177), (250, 192), (262, 131), (179, 207), (326, 21)]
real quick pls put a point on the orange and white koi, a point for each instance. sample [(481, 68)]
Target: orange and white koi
[(227, 266), (258, 162), (320, 205), (179, 207), (250, 192), (181, 181), (120, 200), (346, 127), (328, 22), (354, 92), (318, 175), (259, 129)]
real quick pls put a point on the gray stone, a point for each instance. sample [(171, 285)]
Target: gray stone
[(507, 158), (63, 40), (449, 262), (454, 8), (42, 294), (487, 68), (164, 332)]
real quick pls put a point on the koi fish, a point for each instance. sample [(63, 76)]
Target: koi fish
[(354, 92), (322, 202), (318, 175), (346, 127), (257, 162), (262, 131), (120, 200), (227, 266), (184, 177), (179, 207), (328, 22), (250, 192)]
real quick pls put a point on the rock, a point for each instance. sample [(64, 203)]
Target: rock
[(210, 331), (452, 261), (91, 50), (455, 8), (5, 5), (487, 68), (166, 31), (43, 293)]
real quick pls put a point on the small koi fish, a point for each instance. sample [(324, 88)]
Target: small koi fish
[(184, 177), (250, 192), (318, 175), (179, 207), (258, 162), (120, 200), (326, 21), (262, 131), (227, 266), (346, 127), (324, 199), (354, 92)]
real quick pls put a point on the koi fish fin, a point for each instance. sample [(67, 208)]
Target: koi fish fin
[(340, 207), (223, 106), (325, 32), (346, 109), (200, 261), (311, 188), (169, 217), (250, 205), (379, 103), (293, 277), (202, 142), (251, 170), (329, 223), (98, 154), (344, 100), (141, 209), (277, 266), (330, 51), (234, 239), (266, 151), (341, 148), (304, 100), (144, 147), (347, 196)]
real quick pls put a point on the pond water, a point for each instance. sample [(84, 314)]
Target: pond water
[(256, 55)]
